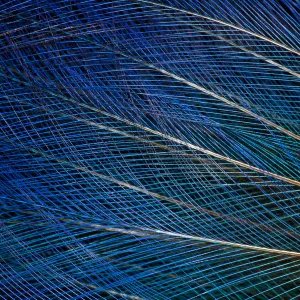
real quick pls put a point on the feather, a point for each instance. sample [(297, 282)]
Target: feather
[(150, 149)]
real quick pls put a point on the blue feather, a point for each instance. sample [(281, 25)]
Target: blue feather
[(150, 149)]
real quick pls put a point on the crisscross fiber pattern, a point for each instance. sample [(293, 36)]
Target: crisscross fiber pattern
[(149, 149)]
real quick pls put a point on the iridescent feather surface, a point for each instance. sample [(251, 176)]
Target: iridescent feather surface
[(150, 149)]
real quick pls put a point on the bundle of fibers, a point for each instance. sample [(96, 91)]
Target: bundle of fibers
[(149, 149)]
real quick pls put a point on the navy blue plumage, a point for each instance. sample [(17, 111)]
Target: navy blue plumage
[(149, 149)]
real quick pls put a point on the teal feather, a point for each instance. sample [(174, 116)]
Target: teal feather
[(150, 149)]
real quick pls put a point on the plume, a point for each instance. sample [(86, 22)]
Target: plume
[(149, 149)]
